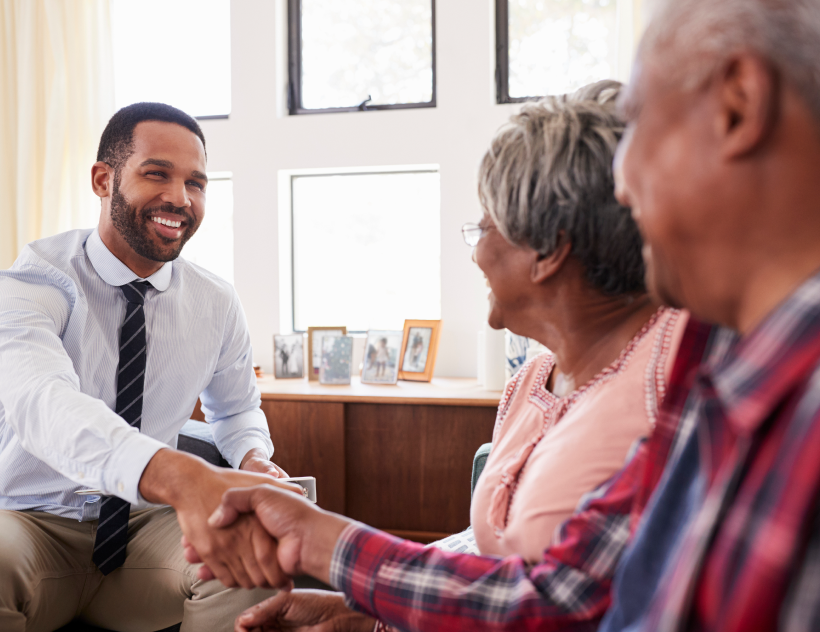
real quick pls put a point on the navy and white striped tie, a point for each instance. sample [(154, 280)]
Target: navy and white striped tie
[(112, 530)]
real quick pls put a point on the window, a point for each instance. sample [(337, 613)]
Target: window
[(366, 249), (176, 52), (212, 245), (553, 46), (360, 55)]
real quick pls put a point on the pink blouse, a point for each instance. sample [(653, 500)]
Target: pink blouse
[(549, 451)]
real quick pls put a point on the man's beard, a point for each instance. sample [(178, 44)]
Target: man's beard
[(133, 227)]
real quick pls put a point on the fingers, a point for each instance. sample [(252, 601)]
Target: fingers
[(265, 551)]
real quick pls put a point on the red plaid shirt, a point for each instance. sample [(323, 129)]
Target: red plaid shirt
[(417, 588), (749, 558)]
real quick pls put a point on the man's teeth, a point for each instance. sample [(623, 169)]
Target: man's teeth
[(166, 222)]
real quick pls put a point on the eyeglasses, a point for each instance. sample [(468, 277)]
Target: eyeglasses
[(472, 234)]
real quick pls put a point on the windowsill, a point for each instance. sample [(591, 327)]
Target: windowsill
[(439, 392)]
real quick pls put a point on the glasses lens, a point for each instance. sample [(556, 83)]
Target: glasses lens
[(472, 233)]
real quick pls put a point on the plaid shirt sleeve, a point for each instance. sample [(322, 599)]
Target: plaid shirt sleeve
[(413, 587)]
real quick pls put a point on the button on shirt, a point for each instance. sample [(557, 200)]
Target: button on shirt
[(61, 311)]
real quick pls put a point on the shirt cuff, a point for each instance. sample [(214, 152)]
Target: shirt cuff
[(131, 458), (236, 434), (354, 566)]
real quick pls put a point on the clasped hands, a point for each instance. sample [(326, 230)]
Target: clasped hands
[(299, 538)]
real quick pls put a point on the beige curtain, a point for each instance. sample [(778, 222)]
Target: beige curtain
[(56, 95)]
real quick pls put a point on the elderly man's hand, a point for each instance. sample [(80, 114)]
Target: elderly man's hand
[(306, 535), (305, 611), (194, 488)]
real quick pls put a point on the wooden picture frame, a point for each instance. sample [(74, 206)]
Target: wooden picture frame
[(312, 366), (419, 348)]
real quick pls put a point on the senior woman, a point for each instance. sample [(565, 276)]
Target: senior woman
[(563, 261)]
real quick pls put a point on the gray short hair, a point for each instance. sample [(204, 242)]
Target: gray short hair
[(548, 172), (700, 34)]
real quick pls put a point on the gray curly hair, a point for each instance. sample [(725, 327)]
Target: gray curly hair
[(691, 38), (547, 178)]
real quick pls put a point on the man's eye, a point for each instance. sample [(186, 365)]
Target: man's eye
[(161, 174), (198, 185)]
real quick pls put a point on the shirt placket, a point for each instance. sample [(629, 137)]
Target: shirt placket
[(678, 604)]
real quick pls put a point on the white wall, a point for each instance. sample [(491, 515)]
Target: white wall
[(259, 140)]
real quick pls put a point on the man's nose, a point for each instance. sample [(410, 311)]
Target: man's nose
[(176, 193)]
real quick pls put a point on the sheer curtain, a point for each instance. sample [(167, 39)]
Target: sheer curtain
[(56, 95)]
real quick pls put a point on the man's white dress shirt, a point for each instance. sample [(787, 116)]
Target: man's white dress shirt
[(61, 311)]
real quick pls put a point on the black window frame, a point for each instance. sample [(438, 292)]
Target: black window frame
[(295, 70), (502, 56)]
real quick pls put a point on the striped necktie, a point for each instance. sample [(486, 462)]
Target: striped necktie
[(112, 529)]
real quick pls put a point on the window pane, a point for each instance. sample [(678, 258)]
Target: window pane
[(356, 48), (558, 46), (366, 250), (176, 52), (212, 245)]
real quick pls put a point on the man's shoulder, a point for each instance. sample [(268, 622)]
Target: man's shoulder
[(201, 281), (49, 261), (56, 251)]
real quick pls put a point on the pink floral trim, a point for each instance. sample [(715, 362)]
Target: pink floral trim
[(655, 385)]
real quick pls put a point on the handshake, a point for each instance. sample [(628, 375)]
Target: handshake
[(269, 534)]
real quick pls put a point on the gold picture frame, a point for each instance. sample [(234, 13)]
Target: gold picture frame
[(419, 348), (313, 362)]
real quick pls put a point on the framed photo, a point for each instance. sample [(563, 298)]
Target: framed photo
[(337, 359), (288, 356), (382, 351), (315, 335), (418, 350)]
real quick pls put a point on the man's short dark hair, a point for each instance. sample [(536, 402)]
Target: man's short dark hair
[(117, 140)]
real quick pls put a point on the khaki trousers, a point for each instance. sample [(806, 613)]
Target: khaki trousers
[(47, 578)]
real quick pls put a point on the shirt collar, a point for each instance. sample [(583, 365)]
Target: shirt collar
[(755, 376), (115, 272)]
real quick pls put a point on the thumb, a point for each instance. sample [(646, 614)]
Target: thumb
[(234, 502)]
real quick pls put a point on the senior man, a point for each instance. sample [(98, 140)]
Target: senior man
[(107, 339), (720, 165)]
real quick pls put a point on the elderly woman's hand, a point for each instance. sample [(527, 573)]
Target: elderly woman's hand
[(305, 610)]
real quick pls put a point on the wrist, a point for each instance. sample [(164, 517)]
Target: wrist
[(165, 479), (321, 532), (251, 455)]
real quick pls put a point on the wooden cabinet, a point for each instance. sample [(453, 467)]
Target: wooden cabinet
[(395, 457)]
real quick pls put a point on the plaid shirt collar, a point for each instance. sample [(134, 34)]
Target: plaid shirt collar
[(769, 361)]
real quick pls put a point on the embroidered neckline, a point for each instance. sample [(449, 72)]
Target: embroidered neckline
[(545, 400)]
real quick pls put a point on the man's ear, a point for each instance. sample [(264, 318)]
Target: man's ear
[(102, 179), (748, 90), (546, 266)]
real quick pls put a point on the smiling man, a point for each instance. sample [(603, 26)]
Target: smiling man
[(107, 339)]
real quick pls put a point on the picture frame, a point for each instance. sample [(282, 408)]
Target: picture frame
[(288, 356), (315, 334), (382, 353), (419, 348), (337, 360)]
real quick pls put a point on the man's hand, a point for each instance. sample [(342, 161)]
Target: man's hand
[(306, 611), (194, 488), (305, 534), (256, 460)]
